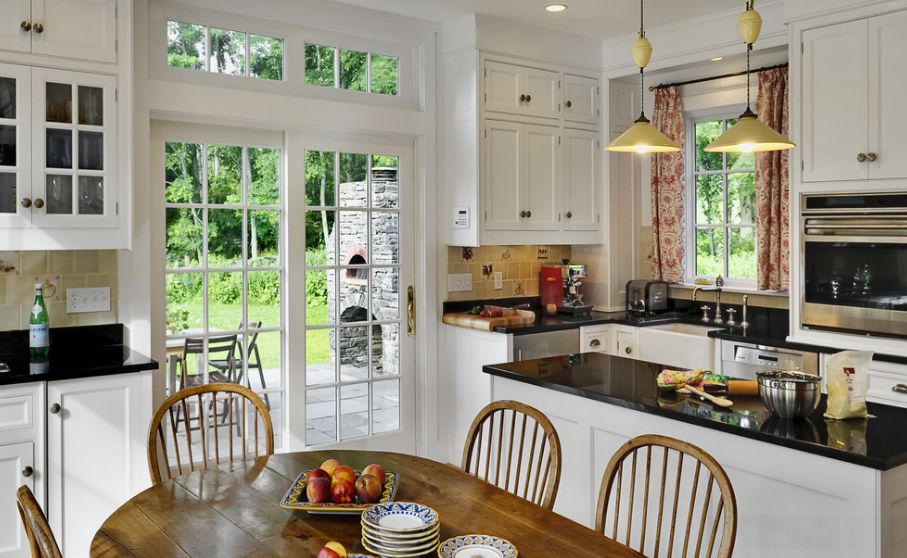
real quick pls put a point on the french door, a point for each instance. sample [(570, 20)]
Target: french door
[(351, 329)]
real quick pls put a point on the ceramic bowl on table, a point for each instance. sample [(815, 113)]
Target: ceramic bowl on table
[(477, 546), (400, 530), (789, 394)]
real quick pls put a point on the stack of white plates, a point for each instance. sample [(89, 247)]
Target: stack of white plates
[(400, 530)]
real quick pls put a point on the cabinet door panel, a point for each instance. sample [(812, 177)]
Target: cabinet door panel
[(835, 95), (581, 196), (14, 458), (581, 99), (15, 146), (84, 29), (543, 88), (503, 176), (95, 453), (887, 82), (503, 87), (12, 36), (540, 187)]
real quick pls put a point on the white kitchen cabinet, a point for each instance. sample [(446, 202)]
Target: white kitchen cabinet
[(81, 29), (581, 182), (522, 90), (853, 126), (595, 339), (96, 431), (581, 99), (17, 465), (625, 342), (15, 146), (521, 176)]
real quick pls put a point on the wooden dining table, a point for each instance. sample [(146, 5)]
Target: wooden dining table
[(234, 510)]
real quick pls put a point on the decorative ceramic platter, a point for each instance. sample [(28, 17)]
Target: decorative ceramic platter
[(296, 498), (415, 537), (400, 517), (477, 546)]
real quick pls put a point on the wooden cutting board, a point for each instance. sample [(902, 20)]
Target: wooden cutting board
[(509, 319)]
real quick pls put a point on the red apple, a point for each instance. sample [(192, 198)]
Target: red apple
[(343, 491), (329, 466), (328, 553), (375, 469), (317, 474), (343, 473), (336, 548), (368, 488), (318, 490)]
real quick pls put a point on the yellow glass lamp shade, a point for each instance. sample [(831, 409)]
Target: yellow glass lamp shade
[(642, 52), (642, 137), (749, 135), (749, 25)]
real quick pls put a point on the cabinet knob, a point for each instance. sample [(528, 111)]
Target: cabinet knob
[(55, 409), (522, 98), (38, 28), (861, 157), (523, 214), (568, 104), (899, 388), (528, 214), (39, 203), (629, 350), (27, 472), (569, 215), (26, 202), (871, 157), (528, 98), (25, 25)]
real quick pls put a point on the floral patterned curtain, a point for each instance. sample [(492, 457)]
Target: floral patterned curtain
[(668, 189), (773, 187)]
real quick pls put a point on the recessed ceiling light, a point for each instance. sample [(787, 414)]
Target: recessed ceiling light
[(718, 59), (555, 8)]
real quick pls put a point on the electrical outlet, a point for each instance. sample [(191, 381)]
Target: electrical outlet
[(498, 280), (459, 282), (87, 300)]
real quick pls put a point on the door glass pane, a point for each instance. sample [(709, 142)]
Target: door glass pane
[(319, 178), (384, 74), (91, 151), (7, 192), (268, 358), (353, 173), (224, 301), (228, 52), (225, 238), (264, 298), (319, 65), (183, 168), (741, 197), (352, 70), (385, 406), (91, 106), (319, 357), (319, 227), (319, 288), (386, 293), (264, 166), (353, 411), (354, 353), (184, 292), (7, 97), (321, 424), (59, 149), (91, 195), (59, 195), (385, 189), (389, 362), (385, 237), (709, 252), (186, 45), (7, 146), (264, 238), (185, 237), (59, 103), (224, 174), (265, 57)]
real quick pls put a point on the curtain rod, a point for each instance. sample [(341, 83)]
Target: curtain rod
[(713, 78)]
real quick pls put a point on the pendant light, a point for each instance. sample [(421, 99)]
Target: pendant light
[(749, 134), (642, 137)]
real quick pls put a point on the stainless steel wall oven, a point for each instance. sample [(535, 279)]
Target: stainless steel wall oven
[(854, 263)]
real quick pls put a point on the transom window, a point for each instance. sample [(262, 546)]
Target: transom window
[(327, 66), (223, 51), (721, 238)]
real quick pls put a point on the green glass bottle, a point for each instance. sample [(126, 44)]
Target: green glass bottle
[(39, 326)]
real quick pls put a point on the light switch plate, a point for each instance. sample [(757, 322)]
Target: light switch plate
[(459, 282), (87, 300)]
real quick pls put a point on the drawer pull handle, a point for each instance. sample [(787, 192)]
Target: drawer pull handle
[(899, 388), (27, 472), (595, 343), (628, 350), (55, 409)]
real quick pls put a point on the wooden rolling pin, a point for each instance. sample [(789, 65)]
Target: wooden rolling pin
[(742, 387)]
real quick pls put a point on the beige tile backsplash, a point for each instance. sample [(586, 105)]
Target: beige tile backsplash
[(69, 269), (519, 264)]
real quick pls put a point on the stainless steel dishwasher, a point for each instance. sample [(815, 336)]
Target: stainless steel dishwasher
[(549, 343), (743, 360)]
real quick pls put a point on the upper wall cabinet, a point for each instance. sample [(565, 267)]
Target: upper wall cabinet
[(581, 99), (522, 90), (82, 29), (854, 76)]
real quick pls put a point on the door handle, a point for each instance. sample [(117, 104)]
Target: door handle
[(55, 409), (899, 388), (27, 472), (411, 311)]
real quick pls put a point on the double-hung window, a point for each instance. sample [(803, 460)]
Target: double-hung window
[(721, 212)]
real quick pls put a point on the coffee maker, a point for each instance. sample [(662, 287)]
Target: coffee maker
[(573, 298)]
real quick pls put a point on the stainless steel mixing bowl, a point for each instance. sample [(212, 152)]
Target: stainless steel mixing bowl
[(789, 394)]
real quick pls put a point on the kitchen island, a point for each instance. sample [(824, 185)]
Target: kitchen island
[(804, 488)]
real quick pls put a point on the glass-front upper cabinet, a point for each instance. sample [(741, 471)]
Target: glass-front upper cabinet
[(15, 158), (73, 149)]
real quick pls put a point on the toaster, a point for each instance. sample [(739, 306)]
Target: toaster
[(644, 296)]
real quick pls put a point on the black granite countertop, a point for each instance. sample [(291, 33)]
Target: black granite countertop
[(75, 352), (878, 442)]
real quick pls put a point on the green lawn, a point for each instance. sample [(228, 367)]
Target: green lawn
[(228, 316)]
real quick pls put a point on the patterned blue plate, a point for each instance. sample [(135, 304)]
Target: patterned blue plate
[(477, 546), (399, 517)]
